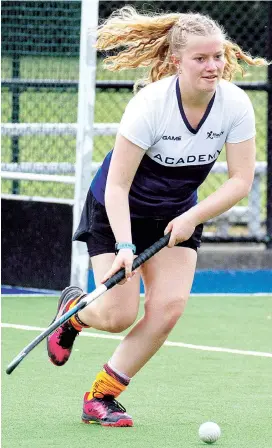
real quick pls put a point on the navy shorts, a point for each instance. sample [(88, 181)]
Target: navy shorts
[(94, 229)]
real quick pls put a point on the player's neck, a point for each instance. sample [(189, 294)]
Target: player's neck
[(192, 99)]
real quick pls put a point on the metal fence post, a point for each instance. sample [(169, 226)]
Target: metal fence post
[(15, 118), (269, 136), (85, 135)]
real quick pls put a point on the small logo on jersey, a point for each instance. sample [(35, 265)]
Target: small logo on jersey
[(213, 135), (171, 137)]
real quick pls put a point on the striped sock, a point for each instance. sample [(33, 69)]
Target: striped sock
[(122, 377), (105, 384), (75, 321)]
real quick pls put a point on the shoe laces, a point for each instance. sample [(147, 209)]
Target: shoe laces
[(67, 336), (112, 404)]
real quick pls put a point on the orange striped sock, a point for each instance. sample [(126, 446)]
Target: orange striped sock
[(105, 384), (75, 321)]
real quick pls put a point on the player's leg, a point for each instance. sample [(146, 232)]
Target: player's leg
[(168, 279), (115, 311)]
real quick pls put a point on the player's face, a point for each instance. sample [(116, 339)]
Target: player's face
[(202, 62)]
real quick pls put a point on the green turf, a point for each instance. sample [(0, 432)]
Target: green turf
[(178, 389)]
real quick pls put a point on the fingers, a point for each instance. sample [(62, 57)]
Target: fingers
[(123, 260), (127, 256), (115, 268), (112, 271), (169, 228), (128, 271), (181, 229), (108, 274), (172, 241)]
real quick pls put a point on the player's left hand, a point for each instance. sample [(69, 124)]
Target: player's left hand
[(181, 229)]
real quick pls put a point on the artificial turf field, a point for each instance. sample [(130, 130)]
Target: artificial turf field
[(180, 388)]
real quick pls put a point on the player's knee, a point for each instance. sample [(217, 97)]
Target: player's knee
[(167, 314), (116, 320), (175, 311), (171, 312)]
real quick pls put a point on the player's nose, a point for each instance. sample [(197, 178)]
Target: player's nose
[(211, 65)]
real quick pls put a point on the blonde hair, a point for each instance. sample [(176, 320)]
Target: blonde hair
[(142, 40)]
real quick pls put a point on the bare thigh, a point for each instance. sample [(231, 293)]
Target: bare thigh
[(124, 298), (168, 278)]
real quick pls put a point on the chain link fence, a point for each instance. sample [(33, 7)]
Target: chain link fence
[(40, 63)]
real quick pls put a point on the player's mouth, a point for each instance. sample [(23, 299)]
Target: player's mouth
[(210, 78)]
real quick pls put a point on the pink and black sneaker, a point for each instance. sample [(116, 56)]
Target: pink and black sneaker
[(105, 411), (60, 343)]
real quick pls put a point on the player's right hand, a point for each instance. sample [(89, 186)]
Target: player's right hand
[(123, 259)]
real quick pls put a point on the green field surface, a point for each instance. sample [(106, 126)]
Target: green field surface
[(179, 388)]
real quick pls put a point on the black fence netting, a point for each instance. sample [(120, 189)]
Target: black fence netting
[(40, 69)]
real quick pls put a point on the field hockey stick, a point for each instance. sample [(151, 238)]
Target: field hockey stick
[(112, 281)]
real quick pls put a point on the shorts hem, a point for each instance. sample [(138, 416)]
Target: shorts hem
[(94, 253)]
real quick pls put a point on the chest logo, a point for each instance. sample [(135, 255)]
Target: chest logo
[(171, 137), (211, 135)]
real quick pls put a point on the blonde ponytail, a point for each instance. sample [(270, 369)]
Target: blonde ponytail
[(142, 40), (233, 56)]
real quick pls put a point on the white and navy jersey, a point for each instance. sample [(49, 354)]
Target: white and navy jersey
[(177, 157)]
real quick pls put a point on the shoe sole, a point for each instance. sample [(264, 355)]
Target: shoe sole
[(56, 315), (120, 423)]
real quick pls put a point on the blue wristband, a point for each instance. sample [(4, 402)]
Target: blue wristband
[(119, 246)]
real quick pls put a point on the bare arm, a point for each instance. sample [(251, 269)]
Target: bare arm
[(241, 162), (125, 160)]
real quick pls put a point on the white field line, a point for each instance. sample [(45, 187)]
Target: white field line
[(167, 343), (207, 294), (12, 296)]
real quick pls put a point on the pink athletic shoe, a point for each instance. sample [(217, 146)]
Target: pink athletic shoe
[(105, 411), (60, 343)]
